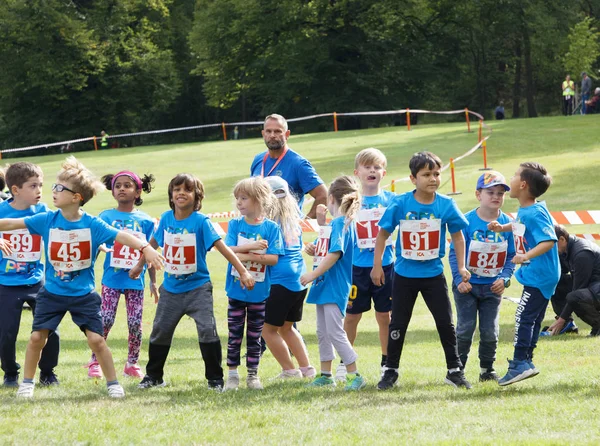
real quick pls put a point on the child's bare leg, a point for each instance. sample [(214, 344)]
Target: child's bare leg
[(103, 354), (351, 326), (278, 347), (292, 338), (383, 320), (36, 343)]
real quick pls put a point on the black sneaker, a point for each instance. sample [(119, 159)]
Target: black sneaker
[(488, 375), (11, 380), (148, 382), (216, 385), (457, 379), (389, 378), (595, 332), (48, 379)]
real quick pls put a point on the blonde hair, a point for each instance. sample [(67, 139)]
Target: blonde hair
[(83, 181), (286, 213), (370, 157), (345, 192), (257, 189)]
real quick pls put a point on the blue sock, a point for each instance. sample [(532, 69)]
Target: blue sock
[(110, 383), (27, 381)]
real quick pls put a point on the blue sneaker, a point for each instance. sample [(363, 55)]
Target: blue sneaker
[(322, 381), (11, 380), (355, 382), (533, 368), (517, 371)]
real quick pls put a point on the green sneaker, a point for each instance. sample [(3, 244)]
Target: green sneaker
[(322, 381), (355, 382)]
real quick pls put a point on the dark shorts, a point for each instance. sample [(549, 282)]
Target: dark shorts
[(366, 290), (284, 305), (51, 308)]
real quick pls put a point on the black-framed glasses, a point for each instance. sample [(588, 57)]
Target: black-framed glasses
[(61, 187)]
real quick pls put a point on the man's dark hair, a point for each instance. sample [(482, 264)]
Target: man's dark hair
[(561, 232), (537, 178), (421, 160)]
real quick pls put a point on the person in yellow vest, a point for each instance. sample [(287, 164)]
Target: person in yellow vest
[(104, 140), (568, 91)]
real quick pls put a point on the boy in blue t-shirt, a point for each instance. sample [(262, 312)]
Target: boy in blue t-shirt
[(423, 216), (489, 260), (22, 272), (369, 167), (185, 236), (71, 239), (537, 253)]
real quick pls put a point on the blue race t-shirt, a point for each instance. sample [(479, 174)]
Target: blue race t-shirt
[(70, 248), (480, 261), (123, 257), (238, 232), (418, 237), (363, 257), (293, 168), (333, 287), (290, 267), (542, 272), (185, 244), (24, 266)]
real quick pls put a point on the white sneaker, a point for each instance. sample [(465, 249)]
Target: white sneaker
[(340, 373), (116, 391), (383, 369), (290, 374), (309, 372), (254, 383), (233, 382), (25, 390)]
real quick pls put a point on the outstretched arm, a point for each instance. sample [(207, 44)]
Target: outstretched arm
[(10, 224)]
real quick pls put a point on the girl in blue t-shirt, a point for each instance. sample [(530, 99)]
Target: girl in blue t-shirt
[(332, 280), (285, 302), (257, 242), (126, 188)]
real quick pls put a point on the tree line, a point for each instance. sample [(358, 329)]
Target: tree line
[(69, 68)]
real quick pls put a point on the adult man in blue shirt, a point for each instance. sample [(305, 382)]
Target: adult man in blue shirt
[(282, 161)]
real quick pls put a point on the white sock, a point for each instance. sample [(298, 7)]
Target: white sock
[(233, 372), (457, 369)]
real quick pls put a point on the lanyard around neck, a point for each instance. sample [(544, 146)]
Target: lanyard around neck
[(262, 170)]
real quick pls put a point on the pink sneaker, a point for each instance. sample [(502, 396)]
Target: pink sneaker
[(308, 372), (133, 370), (94, 370)]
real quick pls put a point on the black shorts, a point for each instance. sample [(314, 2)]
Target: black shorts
[(284, 305), (85, 311), (365, 290)]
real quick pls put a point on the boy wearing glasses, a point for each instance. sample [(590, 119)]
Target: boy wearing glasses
[(71, 239), (489, 259)]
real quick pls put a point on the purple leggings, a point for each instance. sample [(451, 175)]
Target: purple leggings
[(134, 300), (236, 319)]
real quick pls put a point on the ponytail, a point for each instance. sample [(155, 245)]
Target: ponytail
[(345, 192)]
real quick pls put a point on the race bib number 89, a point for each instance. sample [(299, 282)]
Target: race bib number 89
[(26, 247)]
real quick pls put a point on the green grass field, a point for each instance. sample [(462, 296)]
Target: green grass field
[(559, 406)]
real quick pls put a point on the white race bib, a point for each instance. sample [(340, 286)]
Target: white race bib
[(257, 270), (26, 247), (367, 229), (486, 259), (322, 245), (123, 256), (180, 253), (518, 230), (420, 239), (70, 250)]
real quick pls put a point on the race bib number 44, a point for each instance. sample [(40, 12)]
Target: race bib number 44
[(420, 239), (257, 270), (70, 250), (123, 256), (367, 229), (26, 247), (322, 245), (180, 253), (486, 259)]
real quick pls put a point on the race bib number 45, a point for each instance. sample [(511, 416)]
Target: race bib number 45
[(322, 245), (70, 250), (123, 256), (257, 270), (486, 259), (180, 253), (420, 239), (367, 229), (26, 247)]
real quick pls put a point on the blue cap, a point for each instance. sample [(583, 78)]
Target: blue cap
[(491, 179)]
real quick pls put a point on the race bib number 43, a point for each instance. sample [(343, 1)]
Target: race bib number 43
[(123, 256), (322, 245), (70, 250), (367, 229), (26, 247), (257, 270), (180, 253), (486, 259), (420, 239)]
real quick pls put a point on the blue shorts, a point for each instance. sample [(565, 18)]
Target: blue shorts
[(365, 290), (51, 308)]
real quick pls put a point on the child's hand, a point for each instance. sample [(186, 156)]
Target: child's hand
[(103, 248), (498, 286), (153, 258), (259, 245), (520, 258), (134, 273), (5, 247), (464, 287), (306, 278), (465, 274), (377, 276), (494, 226), (322, 215), (154, 292), (247, 281), (310, 248)]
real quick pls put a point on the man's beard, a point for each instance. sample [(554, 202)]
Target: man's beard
[(275, 145)]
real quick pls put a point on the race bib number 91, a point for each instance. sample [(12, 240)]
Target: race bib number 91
[(26, 247), (420, 239), (70, 250)]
